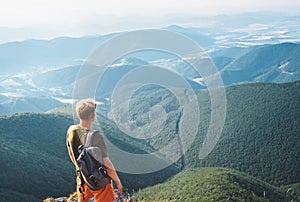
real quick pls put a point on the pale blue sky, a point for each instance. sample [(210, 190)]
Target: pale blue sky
[(51, 18)]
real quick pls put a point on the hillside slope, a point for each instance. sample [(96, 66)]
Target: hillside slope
[(260, 135), (28, 55), (211, 184), (33, 158), (35, 162), (268, 63)]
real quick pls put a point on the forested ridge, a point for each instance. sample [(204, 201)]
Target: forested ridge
[(212, 184), (35, 162), (260, 138), (260, 135)]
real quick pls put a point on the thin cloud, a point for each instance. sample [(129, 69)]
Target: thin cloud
[(76, 17)]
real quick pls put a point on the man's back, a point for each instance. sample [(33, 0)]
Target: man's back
[(78, 135)]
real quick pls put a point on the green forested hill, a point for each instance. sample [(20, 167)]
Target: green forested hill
[(267, 63), (34, 160), (33, 156), (261, 135), (211, 184)]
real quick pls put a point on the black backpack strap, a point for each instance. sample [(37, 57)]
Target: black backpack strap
[(81, 188)]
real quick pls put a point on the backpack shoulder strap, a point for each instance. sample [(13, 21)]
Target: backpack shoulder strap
[(69, 141), (88, 141)]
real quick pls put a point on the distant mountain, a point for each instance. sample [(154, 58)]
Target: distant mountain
[(48, 69), (19, 93), (28, 104), (268, 63), (57, 78), (211, 184), (61, 81), (277, 63), (39, 55), (211, 33), (195, 35), (30, 55), (232, 52)]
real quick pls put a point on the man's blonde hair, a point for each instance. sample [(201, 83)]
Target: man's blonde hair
[(86, 108)]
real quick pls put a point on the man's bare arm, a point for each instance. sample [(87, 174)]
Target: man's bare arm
[(112, 173)]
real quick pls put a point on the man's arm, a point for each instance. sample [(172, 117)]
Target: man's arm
[(112, 173), (69, 142)]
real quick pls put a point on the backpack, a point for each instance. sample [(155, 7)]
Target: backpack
[(92, 171)]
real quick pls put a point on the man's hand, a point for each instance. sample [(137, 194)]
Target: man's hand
[(112, 173), (120, 188)]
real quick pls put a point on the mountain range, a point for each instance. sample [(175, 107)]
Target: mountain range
[(276, 63), (259, 138), (256, 157), (251, 47)]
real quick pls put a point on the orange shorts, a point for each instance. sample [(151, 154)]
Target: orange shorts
[(103, 195)]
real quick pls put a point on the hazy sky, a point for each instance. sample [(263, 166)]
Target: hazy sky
[(50, 18)]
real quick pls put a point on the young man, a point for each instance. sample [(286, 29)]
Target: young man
[(76, 136)]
